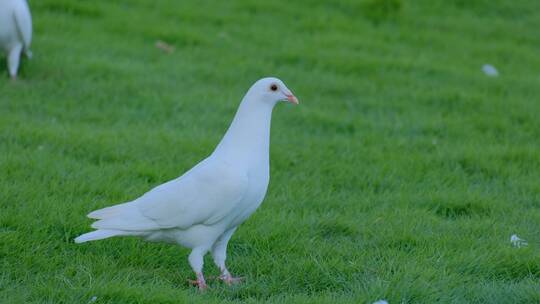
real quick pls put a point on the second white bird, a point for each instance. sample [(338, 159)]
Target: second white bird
[(15, 32)]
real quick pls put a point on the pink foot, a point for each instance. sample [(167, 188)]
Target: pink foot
[(200, 282)]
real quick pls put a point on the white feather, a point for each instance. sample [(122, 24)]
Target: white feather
[(98, 235)]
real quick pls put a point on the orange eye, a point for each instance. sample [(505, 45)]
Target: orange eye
[(273, 87)]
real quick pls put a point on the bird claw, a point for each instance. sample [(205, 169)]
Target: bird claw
[(200, 282)]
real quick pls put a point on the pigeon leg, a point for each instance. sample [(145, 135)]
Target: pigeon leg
[(219, 253), (196, 260), (13, 60)]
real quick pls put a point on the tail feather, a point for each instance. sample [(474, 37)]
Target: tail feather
[(108, 211), (125, 217), (122, 219), (99, 235)]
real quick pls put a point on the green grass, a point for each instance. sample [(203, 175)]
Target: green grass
[(401, 175)]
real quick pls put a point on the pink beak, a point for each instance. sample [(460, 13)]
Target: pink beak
[(292, 99)]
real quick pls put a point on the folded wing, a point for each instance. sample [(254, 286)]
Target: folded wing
[(204, 195)]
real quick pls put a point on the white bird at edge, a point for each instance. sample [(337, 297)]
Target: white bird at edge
[(15, 32), (202, 208)]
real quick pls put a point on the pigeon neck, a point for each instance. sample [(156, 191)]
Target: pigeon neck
[(248, 138)]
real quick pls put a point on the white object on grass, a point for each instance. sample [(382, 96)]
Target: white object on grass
[(518, 242), (381, 302), (202, 208), (490, 70), (15, 32), (164, 46)]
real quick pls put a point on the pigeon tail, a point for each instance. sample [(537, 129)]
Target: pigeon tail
[(99, 235), (109, 212), (125, 217)]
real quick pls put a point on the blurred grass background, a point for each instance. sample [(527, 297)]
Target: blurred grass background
[(401, 175)]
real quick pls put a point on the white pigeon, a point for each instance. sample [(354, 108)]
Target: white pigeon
[(202, 208), (15, 32)]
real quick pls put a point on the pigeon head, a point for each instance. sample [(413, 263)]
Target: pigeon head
[(271, 90)]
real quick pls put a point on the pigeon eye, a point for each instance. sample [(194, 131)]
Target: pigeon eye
[(273, 87)]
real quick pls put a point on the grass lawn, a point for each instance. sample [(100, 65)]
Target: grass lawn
[(401, 175)]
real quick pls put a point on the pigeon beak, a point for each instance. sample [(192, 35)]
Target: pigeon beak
[(292, 99)]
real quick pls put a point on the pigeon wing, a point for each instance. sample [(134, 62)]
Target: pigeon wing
[(204, 195)]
